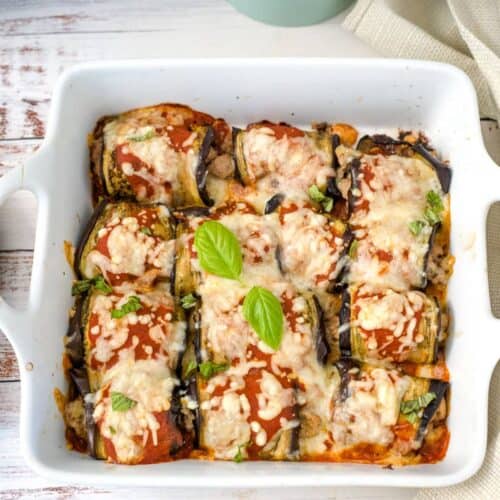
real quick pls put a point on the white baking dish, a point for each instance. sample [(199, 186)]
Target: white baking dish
[(370, 94)]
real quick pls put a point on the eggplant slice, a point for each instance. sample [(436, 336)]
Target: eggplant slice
[(313, 247), (131, 353), (127, 243), (279, 158), (384, 402), (384, 325), (392, 246), (383, 144), (157, 154)]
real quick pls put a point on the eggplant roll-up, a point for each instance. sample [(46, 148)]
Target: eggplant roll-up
[(256, 235), (382, 324), (396, 205), (278, 158), (312, 246), (251, 396), (127, 243), (384, 416), (133, 342), (158, 154)]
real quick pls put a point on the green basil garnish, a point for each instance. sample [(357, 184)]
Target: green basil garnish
[(218, 250), (112, 429), (434, 208), (188, 301), (146, 231), (264, 313), (319, 197), (416, 227), (190, 369), (133, 304), (353, 249), (99, 283), (411, 408), (120, 402), (142, 137), (238, 458), (209, 368)]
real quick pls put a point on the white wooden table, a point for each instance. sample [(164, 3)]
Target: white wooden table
[(37, 42)]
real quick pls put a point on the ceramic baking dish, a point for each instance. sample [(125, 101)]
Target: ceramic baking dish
[(371, 94)]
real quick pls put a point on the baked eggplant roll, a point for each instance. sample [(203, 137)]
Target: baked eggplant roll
[(278, 158), (313, 246), (384, 416), (382, 324), (392, 245), (127, 243), (133, 342), (157, 154), (251, 396), (256, 234)]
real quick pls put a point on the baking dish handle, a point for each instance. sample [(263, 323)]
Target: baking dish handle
[(492, 195), (31, 177)]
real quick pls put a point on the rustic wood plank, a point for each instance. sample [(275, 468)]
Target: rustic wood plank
[(15, 273)]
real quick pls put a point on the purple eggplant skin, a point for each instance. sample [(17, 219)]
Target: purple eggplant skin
[(343, 366), (322, 346), (273, 203), (354, 167), (80, 380), (389, 146), (439, 388), (234, 134), (277, 255), (345, 331), (74, 337), (443, 171), (201, 172), (434, 231), (98, 211)]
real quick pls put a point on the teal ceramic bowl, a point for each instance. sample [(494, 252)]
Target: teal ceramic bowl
[(290, 12)]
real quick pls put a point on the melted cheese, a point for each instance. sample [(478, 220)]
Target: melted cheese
[(370, 410), (148, 382), (112, 340), (392, 324), (131, 252), (311, 249), (287, 164)]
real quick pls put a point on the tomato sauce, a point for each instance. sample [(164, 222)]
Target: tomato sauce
[(280, 129), (138, 330)]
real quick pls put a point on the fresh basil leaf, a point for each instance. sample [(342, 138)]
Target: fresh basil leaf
[(120, 402), (412, 417), (146, 231), (434, 201), (431, 216), (98, 283), (353, 249), (112, 429), (317, 196), (209, 369), (218, 250), (416, 227), (133, 304), (327, 204), (102, 285), (142, 137), (264, 313), (190, 369), (80, 287), (238, 458), (188, 301), (414, 405)]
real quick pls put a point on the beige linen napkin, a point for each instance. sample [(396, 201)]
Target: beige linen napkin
[(465, 33)]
